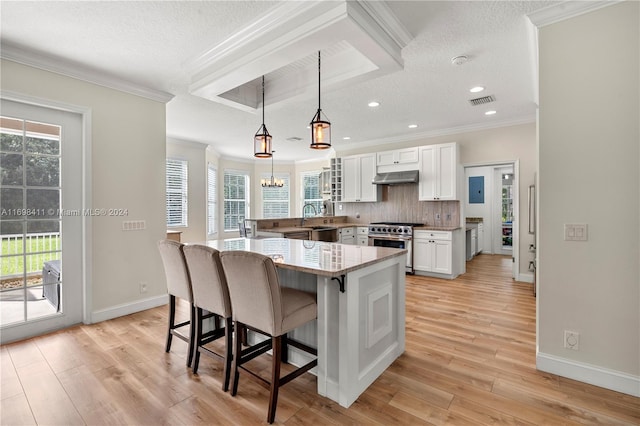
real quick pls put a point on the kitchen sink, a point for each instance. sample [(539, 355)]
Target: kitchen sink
[(324, 233)]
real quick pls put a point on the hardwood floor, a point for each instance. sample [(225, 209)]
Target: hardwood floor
[(469, 360)]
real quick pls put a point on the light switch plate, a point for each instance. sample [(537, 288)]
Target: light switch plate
[(575, 232)]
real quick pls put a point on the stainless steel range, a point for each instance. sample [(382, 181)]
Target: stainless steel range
[(396, 235)]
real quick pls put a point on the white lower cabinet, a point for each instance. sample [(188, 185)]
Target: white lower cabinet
[(347, 236), (362, 235), (432, 251)]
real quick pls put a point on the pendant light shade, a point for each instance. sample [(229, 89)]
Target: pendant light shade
[(273, 182), (262, 139), (320, 125)]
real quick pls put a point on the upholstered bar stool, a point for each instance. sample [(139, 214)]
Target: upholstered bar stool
[(210, 293), (178, 286), (259, 303)]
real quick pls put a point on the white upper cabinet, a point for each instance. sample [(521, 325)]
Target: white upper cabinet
[(438, 171), (398, 157), (358, 172)]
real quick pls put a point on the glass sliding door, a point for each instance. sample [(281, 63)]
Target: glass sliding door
[(35, 212)]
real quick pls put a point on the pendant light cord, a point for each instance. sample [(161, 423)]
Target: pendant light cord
[(263, 100), (318, 80)]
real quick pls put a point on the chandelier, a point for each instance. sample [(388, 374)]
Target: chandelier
[(273, 182)]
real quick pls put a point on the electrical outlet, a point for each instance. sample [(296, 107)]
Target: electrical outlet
[(143, 287), (572, 340)]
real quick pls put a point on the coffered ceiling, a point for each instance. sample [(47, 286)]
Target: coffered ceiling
[(206, 59)]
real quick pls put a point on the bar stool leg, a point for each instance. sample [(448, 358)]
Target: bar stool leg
[(172, 317), (276, 347), (237, 350)]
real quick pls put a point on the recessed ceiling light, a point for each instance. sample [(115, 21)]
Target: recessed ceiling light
[(374, 104), (476, 89), (459, 60), (490, 112), (413, 126), (346, 138)]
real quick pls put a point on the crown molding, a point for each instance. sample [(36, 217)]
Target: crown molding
[(288, 34), (59, 66), (566, 10)]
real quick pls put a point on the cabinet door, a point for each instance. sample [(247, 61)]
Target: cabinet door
[(386, 158), (441, 257), (368, 191), (362, 240), (348, 239), (407, 156), (421, 255), (446, 172), (428, 174), (350, 179)]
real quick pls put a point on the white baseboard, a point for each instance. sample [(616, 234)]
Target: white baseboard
[(525, 277), (128, 308), (587, 373)]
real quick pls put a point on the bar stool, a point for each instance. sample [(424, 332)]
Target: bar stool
[(259, 303), (178, 286), (210, 293)]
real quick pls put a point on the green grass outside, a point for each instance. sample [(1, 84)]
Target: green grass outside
[(15, 265)]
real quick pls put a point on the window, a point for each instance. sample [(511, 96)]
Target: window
[(212, 204), (312, 193), (275, 201), (176, 192), (236, 199)]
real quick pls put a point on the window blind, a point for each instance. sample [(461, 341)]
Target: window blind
[(176, 192), (275, 201), (212, 205), (236, 199)]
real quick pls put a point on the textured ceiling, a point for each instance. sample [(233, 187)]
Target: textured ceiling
[(152, 43)]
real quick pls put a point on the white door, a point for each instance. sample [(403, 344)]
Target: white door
[(42, 254)]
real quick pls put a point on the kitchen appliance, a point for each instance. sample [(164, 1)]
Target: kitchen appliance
[(395, 235), (327, 207), (396, 178)]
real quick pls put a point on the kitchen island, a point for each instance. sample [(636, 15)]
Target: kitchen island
[(360, 291)]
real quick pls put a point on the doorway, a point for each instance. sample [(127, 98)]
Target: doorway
[(491, 195), (41, 231)]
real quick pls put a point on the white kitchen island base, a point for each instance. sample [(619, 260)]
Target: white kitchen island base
[(359, 332), (360, 329)]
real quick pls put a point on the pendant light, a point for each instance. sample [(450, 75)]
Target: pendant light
[(262, 139), (273, 182), (320, 128)]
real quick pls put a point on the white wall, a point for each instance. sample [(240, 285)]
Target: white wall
[(195, 155), (589, 161), (127, 162)]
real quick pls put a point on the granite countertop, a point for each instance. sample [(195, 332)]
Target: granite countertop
[(291, 229), (316, 257)]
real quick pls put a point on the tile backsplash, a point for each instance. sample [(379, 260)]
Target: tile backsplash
[(399, 203)]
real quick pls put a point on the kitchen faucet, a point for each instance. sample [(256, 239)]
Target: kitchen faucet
[(315, 212)]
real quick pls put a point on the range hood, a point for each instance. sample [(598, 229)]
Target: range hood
[(394, 178)]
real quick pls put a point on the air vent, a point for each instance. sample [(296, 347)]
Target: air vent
[(482, 100), (294, 139)]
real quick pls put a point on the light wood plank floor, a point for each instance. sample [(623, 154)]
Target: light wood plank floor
[(469, 360)]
